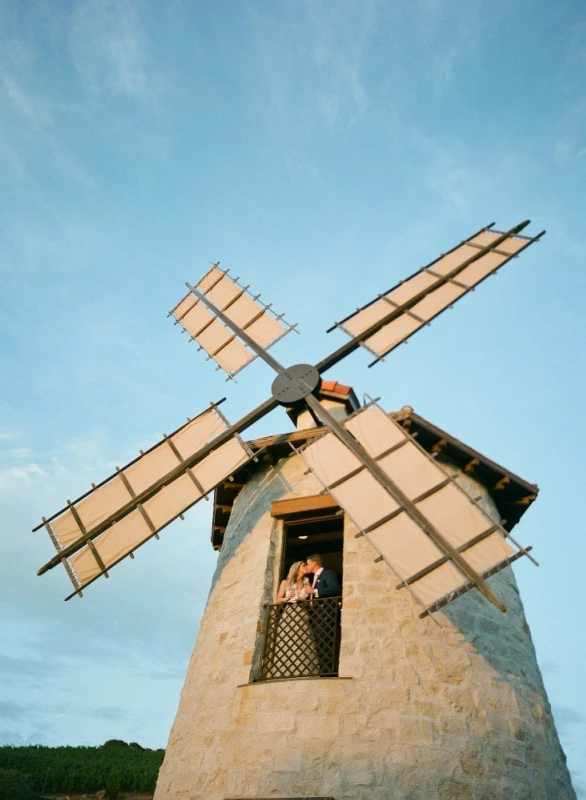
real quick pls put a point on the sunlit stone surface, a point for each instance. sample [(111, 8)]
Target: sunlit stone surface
[(422, 711)]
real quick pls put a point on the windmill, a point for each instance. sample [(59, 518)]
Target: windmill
[(439, 540)]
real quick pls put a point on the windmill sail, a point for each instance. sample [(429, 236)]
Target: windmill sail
[(235, 302), (140, 500), (393, 317), (408, 548)]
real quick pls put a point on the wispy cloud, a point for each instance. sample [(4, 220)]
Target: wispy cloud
[(42, 732), (338, 53), (570, 144), (37, 719), (8, 736), (172, 674), (20, 474), (33, 108), (108, 47), (109, 712), (10, 665), (10, 710), (34, 140), (325, 72), (20, 452)]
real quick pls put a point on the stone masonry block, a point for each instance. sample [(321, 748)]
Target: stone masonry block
[(406, 676), (359, 772), (275, 721), (418, 651), (453, 789), (384, 696), (449, 655), (427, 708), (318, 726), (451, 725), (461, 700), (385, 719), (414, 730)]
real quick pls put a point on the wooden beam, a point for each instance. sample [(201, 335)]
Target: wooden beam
[(297, 505), (524, 501), (439, 446), (469, 467)]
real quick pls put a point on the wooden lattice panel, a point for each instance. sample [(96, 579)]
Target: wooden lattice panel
[(302, 639)]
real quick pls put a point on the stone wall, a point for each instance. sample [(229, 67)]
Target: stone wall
[(449, 707)]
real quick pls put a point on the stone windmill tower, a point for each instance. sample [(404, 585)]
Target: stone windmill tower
[(389, 690)]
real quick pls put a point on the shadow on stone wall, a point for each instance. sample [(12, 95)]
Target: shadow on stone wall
[(503, 640), (265, 486)]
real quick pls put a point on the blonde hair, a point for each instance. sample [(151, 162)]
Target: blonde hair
[(293, 572)]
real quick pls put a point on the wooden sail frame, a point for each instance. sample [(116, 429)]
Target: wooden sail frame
[(83, 542), (395, 313), (492, 245), (250, 418), (381, 522), (214, 405), (237, 304), (69, 563)]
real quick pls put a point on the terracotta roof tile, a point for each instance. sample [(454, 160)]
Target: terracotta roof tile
[(335, 388)]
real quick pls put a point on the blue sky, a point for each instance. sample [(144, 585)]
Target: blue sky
[(322, 151)]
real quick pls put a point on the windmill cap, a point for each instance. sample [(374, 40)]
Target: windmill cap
[(333, 387), (342, 396)]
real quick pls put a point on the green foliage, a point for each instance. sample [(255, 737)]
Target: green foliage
[(14, 785), (116, 765)]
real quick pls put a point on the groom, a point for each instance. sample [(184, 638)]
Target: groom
[(325, 581), (322, 616)]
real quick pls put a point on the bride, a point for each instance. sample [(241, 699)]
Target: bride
[(292, 652), (292, 589)]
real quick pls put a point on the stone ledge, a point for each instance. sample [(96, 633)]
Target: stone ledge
[(288, 680)]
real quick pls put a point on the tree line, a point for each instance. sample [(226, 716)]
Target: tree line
[(115, 765)]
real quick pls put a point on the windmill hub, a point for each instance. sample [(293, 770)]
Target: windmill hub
[(295, 384)]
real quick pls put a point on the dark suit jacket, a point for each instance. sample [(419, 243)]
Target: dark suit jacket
[(327, 584)]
